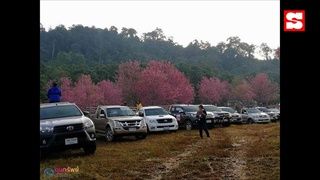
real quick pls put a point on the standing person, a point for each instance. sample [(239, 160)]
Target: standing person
[(54, 93), (201, 115), (139, 105)]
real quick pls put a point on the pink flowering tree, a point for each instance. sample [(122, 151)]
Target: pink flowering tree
[(242, 92), (162, 83), (127, 77), (66, 89), (213, 90), (86, 93), (111, 93), (265, 91)]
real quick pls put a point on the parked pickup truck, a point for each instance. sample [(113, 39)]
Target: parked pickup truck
[(116, 121), (253, 115), (236, 118), (158, 119), (64, 126), (186, 116), (274, 116), (220, 117)]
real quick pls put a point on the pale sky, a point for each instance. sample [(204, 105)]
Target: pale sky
[(254, 21)]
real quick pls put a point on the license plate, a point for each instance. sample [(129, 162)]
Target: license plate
[(209, 121), (132, 129), (70, 141), (166, 128)]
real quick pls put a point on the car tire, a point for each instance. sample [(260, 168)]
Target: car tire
[(90, 148), (148, 131), (250, 121), (226, 124), (143, 136), (109, 136), (188, 125)]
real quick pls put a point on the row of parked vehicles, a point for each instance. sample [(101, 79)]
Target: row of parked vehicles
[(64, 125)]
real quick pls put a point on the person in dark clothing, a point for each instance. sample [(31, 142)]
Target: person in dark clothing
[(201, 115), (54, 93)]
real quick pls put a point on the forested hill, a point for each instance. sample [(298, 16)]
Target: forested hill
[(88, 50)]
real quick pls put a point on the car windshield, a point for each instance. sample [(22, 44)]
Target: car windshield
[(228, 109), (191, 108), (155, 111), (212, 108), (263, 109), (59, 112), (119, 111), (253, 110)]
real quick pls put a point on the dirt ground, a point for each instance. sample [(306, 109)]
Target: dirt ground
[(235, 152)]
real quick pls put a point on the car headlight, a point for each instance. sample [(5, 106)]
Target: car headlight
[(46, 129), (88, 124), (193, 115), (143, 123), (117, 124), (210, 115)]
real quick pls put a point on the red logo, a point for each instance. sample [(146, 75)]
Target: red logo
[(294, 20)]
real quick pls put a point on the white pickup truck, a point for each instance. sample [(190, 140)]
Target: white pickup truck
[(158, 119)]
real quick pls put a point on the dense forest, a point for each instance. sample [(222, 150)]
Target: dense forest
[(77, 50)]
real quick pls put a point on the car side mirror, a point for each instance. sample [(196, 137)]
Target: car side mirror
[(141, 114), (102, 116), (86, 113)]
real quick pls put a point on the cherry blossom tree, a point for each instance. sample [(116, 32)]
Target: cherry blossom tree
[(265, 91), (111, 93), (243, 92), (162, 83), (86, 93), (213, 90), (127, 77), (66, 89)]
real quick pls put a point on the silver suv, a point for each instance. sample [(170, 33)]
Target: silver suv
[(64, 126)]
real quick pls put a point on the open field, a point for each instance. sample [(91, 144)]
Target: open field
[(235, 152)]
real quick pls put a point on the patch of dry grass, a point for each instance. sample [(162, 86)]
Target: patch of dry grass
[(235, 152)]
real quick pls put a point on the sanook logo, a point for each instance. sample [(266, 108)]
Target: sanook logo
[(294, 20)]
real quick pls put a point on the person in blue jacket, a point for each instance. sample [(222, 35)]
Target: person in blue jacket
[(54, 93)]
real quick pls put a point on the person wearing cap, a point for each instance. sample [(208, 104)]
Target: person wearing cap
[(54, 93), (201, 115)]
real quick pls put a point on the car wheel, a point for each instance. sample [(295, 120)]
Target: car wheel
[(109, 134), (143, 136), (188, 125), (250, 121), (90, 148), (226, 124), (148, 130)]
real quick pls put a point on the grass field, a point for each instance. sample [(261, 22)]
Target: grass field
[(235, 152)]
